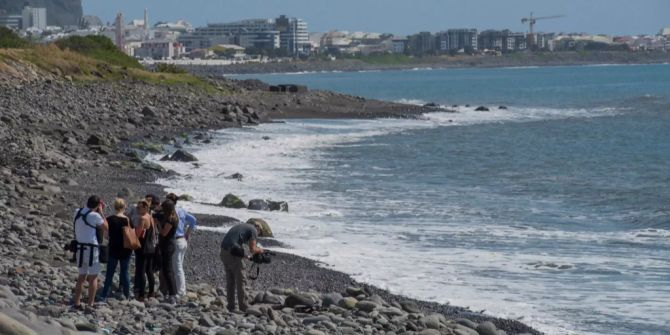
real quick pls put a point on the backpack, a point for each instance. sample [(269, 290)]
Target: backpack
[(150, 239), (79, 247)]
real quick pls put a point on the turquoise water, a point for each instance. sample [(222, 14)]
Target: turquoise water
[(555, 211)]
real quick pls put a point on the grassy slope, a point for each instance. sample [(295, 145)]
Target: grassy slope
[(95, 64)]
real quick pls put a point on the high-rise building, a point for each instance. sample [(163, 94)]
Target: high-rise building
[(34, 18), (14, 22), (293, 35), (502, 40), (462, 39), (120, 34), (422, 43)]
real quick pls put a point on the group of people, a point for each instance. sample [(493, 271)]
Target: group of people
[(162, 230)]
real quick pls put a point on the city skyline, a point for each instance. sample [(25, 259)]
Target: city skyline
[(614, 17)]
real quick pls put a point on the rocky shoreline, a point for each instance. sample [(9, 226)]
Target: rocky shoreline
[(66, 140), (440, 62)]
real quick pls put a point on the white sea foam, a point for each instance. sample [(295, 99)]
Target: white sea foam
[(508, 282)]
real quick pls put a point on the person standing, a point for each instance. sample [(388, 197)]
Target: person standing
[(153, 202), (186, 226), (168, 220), (87, 221), (117, 253), (147, 232), (232, 255)]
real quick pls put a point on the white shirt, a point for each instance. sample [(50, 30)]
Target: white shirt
[(84, 233)]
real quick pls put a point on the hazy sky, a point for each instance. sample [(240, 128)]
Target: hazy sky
[(408, 16)]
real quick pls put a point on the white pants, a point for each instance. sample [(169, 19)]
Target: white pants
[(178, 265), (86, 269)]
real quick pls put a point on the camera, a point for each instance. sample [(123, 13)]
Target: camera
[(71, 247), (263, 258)]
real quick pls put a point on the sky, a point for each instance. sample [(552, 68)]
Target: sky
[(613, 17)]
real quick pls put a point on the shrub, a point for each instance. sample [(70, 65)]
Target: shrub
[(169, 68), (98, 47), (9, 39)]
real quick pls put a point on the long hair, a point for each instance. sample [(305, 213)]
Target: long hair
[(169, 212)]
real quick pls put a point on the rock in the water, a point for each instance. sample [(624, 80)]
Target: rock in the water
[(502, 107), (180, 156), (258, 205), (232, 201), (482, 109), (237, 176), (266, 231), (185, 197), (278, 206)]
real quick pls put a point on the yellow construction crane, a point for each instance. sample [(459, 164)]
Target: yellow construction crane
[(531, 20)]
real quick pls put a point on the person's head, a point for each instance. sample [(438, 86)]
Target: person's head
[(258, 226), (93, 202), (153, 200), (119, 205), (142, 207), (172, 197), (169, 211)]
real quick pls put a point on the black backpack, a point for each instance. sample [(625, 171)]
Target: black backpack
[(150, 240)]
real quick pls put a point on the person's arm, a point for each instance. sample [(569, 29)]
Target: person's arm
[(253, 248), (105, 225), (166, 229), (191, 222)]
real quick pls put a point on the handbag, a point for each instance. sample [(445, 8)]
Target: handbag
[(130, 240), (103, 253)]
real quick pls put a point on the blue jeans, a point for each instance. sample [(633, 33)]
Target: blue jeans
[(124, 276)]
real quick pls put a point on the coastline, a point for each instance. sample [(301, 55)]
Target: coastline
[(76, 147), (440, 62)]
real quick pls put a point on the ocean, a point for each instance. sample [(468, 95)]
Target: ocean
[(554, 211)]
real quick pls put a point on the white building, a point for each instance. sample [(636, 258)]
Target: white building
[(157, 49), (35, 18), (14, 22)]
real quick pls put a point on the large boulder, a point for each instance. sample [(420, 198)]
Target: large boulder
[(258, 205), (487, 328), (482, 109), (180, 156), (232, 201), (281, 206), (301, 299), (266, 231)]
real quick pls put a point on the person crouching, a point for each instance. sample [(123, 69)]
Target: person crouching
[(232, 255)]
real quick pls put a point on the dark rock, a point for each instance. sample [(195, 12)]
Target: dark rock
[(94, 140), (278, 206), (410, 307), (267, 138), (180, 156), (331, 299), (237, 176), (232, 201), (487, 328), (502, 107), (482, 109), (300, 299), (149, 112), (258, 205)]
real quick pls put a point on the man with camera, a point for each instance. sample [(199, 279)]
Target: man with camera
[(87, 221), (233, 255)]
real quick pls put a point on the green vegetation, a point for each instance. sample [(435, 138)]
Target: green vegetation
[(100, 48), (148, 147), (169, 68), (385, 59), (9, 39), (92, 58)]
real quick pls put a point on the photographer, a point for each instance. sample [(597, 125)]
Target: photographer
[(232, 256), (87, 221)]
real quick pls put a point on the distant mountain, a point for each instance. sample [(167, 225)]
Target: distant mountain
[(59, 12)]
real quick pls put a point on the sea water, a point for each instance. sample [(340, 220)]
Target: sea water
[(555, 211)]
